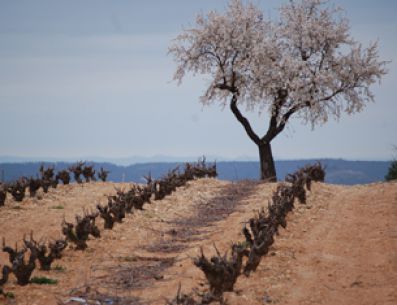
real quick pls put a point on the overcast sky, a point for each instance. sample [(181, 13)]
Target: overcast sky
[(93, 78)]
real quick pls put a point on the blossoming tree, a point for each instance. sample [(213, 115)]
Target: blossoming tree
[(303, 65)]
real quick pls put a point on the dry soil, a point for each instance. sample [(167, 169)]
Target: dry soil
[(339, 248)]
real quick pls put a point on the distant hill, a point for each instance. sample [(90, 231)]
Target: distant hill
[(338, 171)]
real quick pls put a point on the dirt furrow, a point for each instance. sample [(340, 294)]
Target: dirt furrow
[(178, 239)]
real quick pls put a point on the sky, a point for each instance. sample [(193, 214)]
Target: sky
[(93, 78)]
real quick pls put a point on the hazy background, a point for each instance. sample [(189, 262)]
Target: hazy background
[(80, 79)]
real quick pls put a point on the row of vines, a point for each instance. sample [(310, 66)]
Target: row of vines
[(48, 178), (222, 271), (78, 233)]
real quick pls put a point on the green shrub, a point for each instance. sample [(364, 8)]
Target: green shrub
[(9, 295), (392, 173), (42, 280), (59, 268), (58, 207)]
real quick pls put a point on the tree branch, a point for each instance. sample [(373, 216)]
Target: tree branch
[(270, 134), (224, 86), (275, 129), (297, 107), (335, 93), (247, 126), (272, 131)]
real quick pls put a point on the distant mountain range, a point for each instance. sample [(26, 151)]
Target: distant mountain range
[(338, 171), (122, 161)]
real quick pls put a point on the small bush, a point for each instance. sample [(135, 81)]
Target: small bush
[(21, 269), (58, 207), (89, 173), (59, 268), (103, 174), (392, 173), (8, 295), (48, 178), (18, 188), (45, 253), (220, 271), (34, 186), (77, 170), (42, 280), (78, 233), (64, 176)]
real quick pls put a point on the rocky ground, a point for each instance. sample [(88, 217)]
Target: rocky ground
[(339, 248)]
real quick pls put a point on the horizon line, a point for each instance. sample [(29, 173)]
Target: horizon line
[(14, 159)]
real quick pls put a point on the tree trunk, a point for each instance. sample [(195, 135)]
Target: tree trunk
[(268, 170)]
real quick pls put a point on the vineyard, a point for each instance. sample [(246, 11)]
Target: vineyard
[(188, 238)]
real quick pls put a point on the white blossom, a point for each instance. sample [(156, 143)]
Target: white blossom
[(305, 64)]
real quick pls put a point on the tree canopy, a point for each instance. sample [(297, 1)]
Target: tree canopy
[(304, 64)]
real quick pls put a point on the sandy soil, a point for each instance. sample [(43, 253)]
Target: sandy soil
[(340, 248)]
